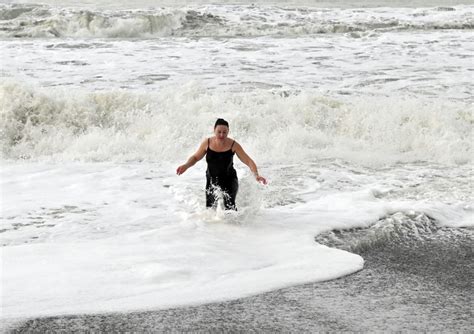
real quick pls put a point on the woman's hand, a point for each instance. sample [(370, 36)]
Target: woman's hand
[(181, 169), (261, 179)]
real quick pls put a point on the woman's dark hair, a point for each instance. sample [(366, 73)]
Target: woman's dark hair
[(221, 121)]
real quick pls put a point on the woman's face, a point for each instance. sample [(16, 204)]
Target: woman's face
[(221, 131)]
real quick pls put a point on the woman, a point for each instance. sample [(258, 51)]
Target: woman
[(219, 151)]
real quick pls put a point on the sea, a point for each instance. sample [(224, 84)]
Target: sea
[(358, 113)]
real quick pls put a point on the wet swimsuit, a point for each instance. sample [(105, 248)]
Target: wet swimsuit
[(221, 173)]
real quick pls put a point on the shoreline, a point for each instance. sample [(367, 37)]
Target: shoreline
[(415, 286)]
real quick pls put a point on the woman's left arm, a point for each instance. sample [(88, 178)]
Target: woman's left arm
[(244, 157)]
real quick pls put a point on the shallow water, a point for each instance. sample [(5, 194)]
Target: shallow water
[(415, 285)]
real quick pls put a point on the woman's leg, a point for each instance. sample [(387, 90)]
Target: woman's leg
[(210, 196), (230, 194)]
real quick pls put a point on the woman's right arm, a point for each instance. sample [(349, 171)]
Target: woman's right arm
[(200, 153)]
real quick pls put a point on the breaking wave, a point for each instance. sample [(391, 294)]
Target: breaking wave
[(53, 123), (41, 21)]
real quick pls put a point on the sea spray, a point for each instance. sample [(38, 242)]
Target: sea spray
[(120, 125)]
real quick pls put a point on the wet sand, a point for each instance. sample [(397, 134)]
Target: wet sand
[(413, 286)]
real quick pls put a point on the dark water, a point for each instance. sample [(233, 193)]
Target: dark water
[(417, 277)]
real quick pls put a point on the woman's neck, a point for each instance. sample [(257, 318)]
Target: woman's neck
[(220, 145), (220, 142)]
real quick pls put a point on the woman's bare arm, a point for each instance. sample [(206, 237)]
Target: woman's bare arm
[(200, 153), (246, 159)]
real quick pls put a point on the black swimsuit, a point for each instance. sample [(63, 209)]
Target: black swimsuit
[(221, 173)]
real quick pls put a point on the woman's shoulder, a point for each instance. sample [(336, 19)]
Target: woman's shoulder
[(235, 145)]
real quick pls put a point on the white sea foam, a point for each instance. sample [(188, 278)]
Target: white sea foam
[(96, 251)]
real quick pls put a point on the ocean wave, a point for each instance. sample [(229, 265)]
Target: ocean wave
[(40, 21), (54, 123), (398, 229)]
